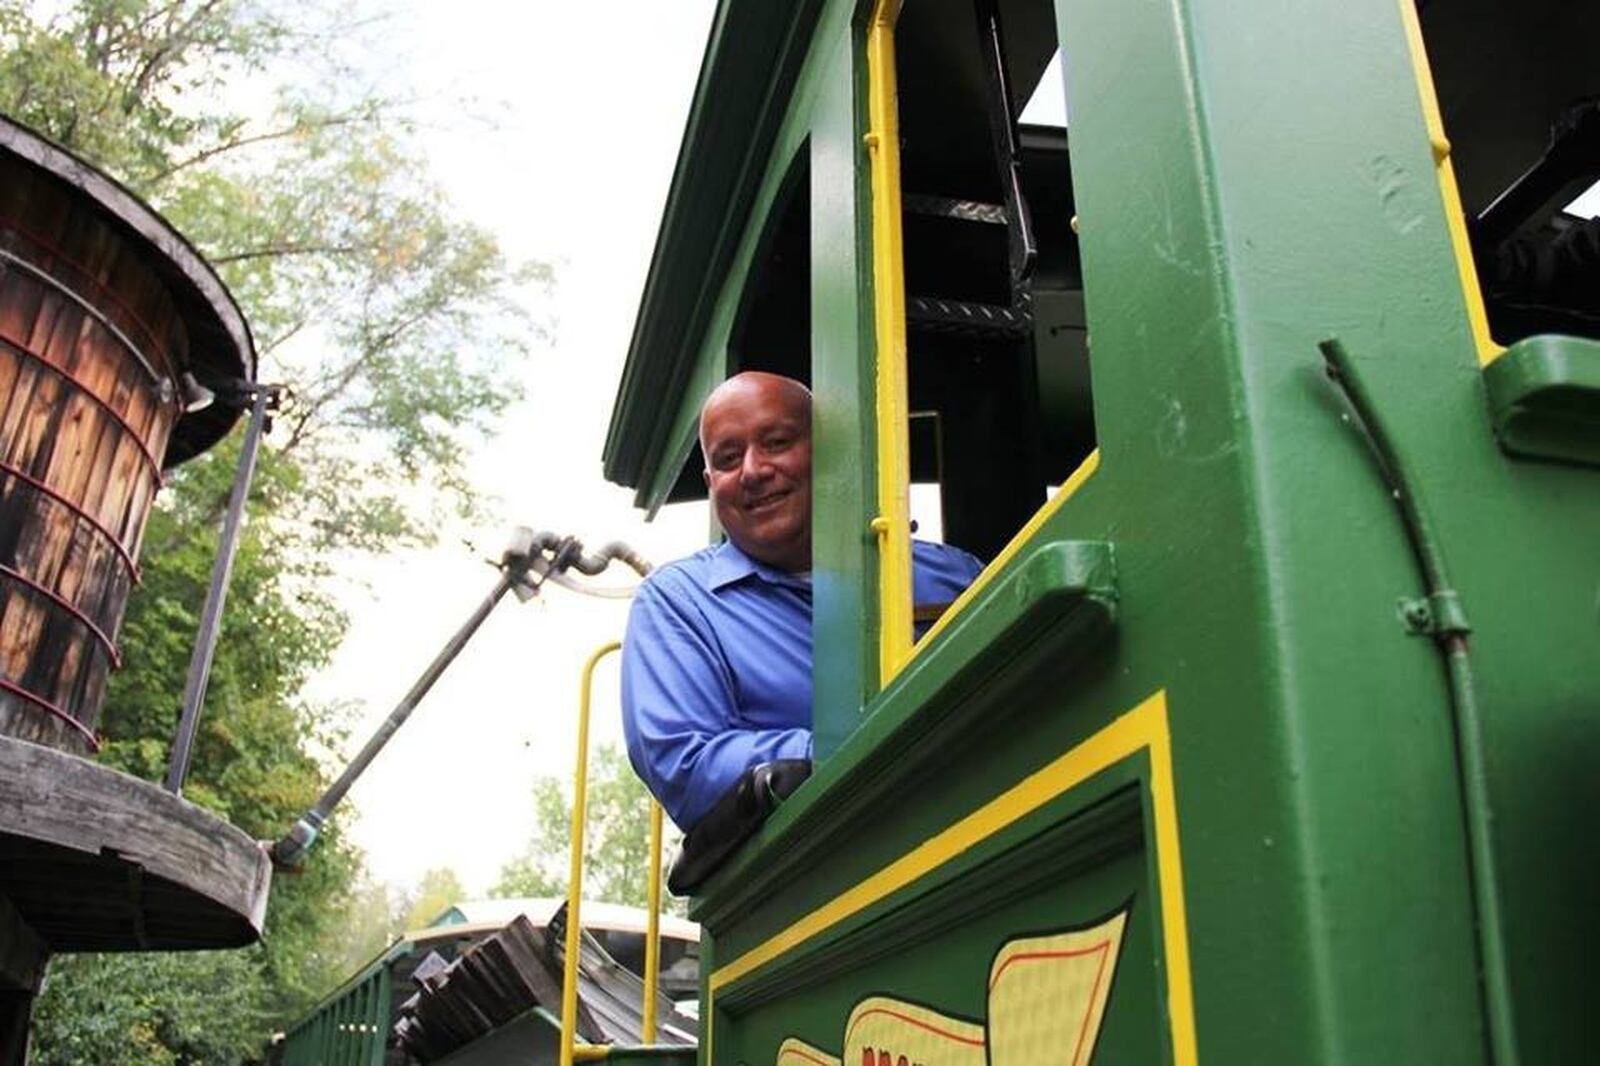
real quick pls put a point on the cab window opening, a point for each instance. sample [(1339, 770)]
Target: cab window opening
[(772, 329), (1519, 95), (997, 344)]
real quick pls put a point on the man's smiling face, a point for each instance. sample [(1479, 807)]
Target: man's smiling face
[(755, 430)]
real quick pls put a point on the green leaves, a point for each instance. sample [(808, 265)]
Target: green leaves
[(398, 326), (616, 838), (399, 330), (151, 1010)]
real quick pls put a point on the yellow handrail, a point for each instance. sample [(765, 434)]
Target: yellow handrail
[(652, 942), (571, 1050), (893, 522), (580, 804)]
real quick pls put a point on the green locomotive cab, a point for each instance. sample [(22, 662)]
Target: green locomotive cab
[(1224, 755)]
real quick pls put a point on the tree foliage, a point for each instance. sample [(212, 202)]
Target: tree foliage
[(616, 838), (152, 1010), (437, 891), (396, 328), (394, 322)]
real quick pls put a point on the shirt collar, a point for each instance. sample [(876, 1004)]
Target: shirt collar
[(730, 565)]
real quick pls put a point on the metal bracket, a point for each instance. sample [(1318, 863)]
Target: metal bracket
[(1439, 615)]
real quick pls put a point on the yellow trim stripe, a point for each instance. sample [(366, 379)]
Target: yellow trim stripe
[(1454, 214), (1169, 875), (1023, 536), (893, 523), (1144, 727)]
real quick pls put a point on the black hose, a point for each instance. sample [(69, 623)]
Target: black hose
[(1449, 628)]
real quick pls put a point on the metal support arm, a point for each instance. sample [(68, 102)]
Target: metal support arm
[(262, 398), (529, 560)]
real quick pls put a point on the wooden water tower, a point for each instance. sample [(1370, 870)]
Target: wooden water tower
[(121, 355)]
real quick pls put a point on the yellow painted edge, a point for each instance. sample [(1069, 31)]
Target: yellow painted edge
[(1455, 216), (580, 811), (1085, 470), (1169, 877), (592, 1052), (893, 523), (1144, 727)]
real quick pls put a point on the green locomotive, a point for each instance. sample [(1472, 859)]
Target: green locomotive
[(1226, 756), (1270, 384)]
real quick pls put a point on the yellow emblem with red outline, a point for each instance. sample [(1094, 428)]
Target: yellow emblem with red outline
[(1046, 1002)]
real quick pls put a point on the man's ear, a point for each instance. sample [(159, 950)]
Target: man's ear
[(705, 475)]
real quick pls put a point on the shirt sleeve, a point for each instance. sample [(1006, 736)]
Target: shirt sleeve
[(679, 707)]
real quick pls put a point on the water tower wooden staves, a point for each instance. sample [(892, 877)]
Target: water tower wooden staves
[(121, 355)]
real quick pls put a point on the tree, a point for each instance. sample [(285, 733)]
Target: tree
[(134, 1010), (252, 762), (394, 324), (438, 891), (372, 922), (616, 838)]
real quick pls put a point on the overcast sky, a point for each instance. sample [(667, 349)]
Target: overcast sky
[(588, 113)]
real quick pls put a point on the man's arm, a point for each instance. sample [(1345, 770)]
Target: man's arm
[(679, 712)]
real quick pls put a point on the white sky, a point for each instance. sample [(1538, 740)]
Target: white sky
[(589, 113)]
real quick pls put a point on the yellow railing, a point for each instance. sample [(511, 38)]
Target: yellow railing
[(571, 1050), (893, 523)]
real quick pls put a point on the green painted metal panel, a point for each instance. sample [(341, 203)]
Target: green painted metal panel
[(1544, 397), (533, 1037), (844, 478), (1251, 179)]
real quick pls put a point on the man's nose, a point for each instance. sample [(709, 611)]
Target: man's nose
[(755, 466)]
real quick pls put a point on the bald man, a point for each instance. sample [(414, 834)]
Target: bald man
[(716, 667)]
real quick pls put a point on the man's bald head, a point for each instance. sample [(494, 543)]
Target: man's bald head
[(752, 384), (755, 431)]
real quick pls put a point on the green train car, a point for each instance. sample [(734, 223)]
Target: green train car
[(1270, 385)]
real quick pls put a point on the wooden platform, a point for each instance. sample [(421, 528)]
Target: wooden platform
[(94, 860)]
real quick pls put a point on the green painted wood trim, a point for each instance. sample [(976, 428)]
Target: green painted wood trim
[(1544, 399), (1048, 612), (384, 987), (752, 63)]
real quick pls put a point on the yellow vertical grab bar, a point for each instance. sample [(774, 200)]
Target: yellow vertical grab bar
[(580, 804), (893, 523), (652, 941)]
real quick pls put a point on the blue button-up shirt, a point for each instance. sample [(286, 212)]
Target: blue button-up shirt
[(716, 668)]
